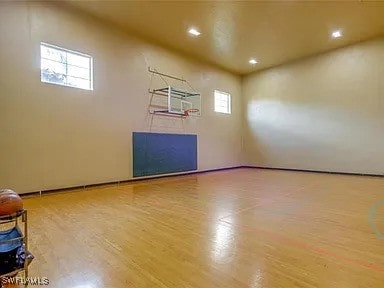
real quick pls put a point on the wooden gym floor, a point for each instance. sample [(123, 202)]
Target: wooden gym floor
[(228, 229)]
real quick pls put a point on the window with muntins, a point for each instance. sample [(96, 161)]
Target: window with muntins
[(222, 102), (65, 67)]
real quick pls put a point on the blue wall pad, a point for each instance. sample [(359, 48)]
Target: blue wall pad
[(159, 153)]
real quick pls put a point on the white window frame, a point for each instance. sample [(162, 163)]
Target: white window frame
[(76, 53), (227, 102)]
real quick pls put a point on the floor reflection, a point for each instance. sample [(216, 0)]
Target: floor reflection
[(258, 277), (224, 243)]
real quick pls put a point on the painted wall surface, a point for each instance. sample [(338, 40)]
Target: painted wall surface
[(53, 136), (322, 113)]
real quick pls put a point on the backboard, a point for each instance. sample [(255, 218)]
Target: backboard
[(176, 98), (182, 101)]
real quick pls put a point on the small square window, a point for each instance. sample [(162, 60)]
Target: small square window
[(65, 67), (222, 102)]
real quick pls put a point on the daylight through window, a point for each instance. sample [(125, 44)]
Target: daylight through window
[(222, 102), (64, 67)]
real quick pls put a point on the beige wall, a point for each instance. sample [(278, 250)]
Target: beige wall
[(53, 136), (321, 113)]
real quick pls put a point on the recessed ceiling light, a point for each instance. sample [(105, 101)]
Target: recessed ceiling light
[(336, 34), (194, 32), (253, 61)]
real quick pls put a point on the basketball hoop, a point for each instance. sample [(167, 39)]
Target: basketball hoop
[(188, 111)]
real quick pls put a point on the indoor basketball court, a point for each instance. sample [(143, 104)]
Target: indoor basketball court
[(190, 144)]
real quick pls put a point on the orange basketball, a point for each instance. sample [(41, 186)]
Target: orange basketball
[(6, 283), (10, 202)]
